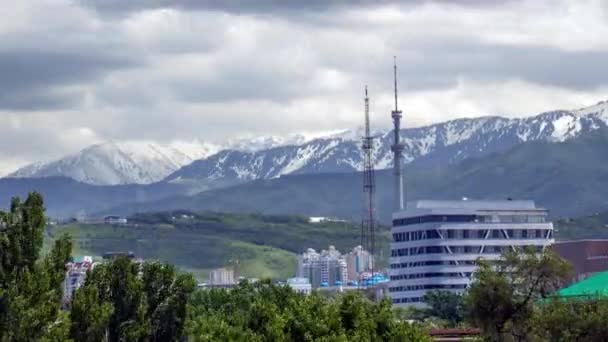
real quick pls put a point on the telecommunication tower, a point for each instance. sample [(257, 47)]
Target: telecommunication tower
[(397, 147), (368, 223)]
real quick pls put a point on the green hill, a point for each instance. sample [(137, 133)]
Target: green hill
[(594, 226), (570, 179), (264, 245)]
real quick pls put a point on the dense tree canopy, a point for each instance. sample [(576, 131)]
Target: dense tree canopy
[(504, 294), (123, 300), (31, 287), (267, 312)]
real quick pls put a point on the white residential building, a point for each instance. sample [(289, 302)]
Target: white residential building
[(222, 277), (327, 268), (358, 261), (436, 244)]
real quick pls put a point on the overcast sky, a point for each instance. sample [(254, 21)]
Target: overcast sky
[(77, 72)]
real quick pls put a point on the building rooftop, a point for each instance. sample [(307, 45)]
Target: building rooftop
[(561, 242), (473, 204)]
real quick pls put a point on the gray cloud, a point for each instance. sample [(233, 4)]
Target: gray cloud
[(442, 65), (32, 78), (268, 6), (216, 69)]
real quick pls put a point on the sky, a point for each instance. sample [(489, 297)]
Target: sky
[(78, 72)]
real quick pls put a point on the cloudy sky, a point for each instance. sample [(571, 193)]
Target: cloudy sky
[(77, 72)]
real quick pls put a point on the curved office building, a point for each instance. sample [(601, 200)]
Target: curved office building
[(436, 243)]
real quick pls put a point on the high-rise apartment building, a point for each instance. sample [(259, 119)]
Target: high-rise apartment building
[(222, 277), (436, 244), (357, 261), (327, 268)]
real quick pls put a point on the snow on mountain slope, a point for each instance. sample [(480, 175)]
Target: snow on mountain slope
[(246, 159), (143, 162), (447, 142), (119, 163)]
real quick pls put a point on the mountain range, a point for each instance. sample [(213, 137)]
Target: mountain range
[(569, 178), (556, 158), (210, 166), (137, 162)]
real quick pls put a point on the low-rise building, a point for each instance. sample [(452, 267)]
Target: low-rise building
[(588, 256), (300, 285), (75, 276), (112, 219)]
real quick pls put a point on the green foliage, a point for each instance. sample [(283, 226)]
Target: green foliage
[(444, 305), (123, 300), (30, 288), (265, 245), (267, 312), (572, 320), (502, 297), (90, 315)]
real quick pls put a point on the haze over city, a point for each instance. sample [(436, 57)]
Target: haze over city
[(75, 73)]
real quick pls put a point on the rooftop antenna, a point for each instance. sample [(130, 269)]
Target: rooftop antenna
[(368, 223), (397, 147)]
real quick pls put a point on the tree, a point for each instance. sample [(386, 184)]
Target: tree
[(90, 315), (31, 288), (267, 312), (167, 296), (502, 297), (123, 300), (564, 320), (444, 305)]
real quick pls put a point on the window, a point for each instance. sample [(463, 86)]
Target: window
[(481, 234), (432, 234), (524, 234), (465, 234), (434, 250), (495, 234), (451, 234), (433, 218), (536, 219), (539, 234)]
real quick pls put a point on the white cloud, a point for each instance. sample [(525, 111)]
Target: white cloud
[(76, 75)]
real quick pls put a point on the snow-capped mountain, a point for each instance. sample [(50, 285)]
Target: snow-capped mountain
[(447, 142), (253, 144), (137, 162), (245, 159), (120, 163)]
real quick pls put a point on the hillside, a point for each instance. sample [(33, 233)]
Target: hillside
[(594, 226), (266, 246), (436, 145), (569, 178), (65, 197)]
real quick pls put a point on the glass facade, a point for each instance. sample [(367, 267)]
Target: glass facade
[(437, 248)]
